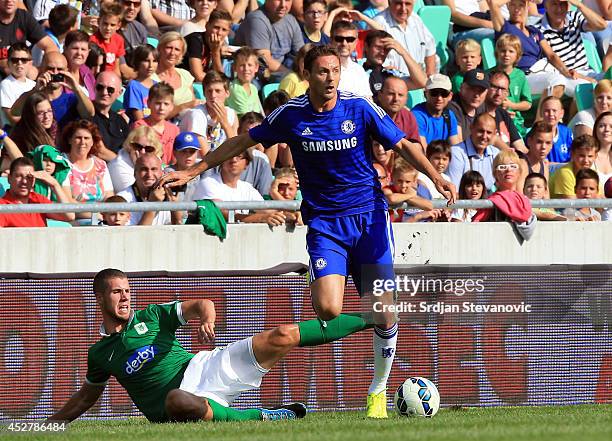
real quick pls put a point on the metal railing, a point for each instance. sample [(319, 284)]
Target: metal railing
[(102, 207)]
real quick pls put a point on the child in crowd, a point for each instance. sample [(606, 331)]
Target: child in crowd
[(62, 19), (243, 96), (161, 103), (587, 187), (279, 152), (563, 181), (315, 15), (17, 83), (107, 37), (536, 188), (471, 187), (285, 188), (136, 95), (467, 56), (539, 142), (116, 218), (203, 9), (551, 112), (294, 83), (508, 51), (212, 121), (439, 154), (405, 188), (96, 60)]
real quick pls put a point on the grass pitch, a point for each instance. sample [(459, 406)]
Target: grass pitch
[(587, 422)]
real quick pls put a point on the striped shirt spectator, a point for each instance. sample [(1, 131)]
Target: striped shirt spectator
[(175, 8), (567, 42)]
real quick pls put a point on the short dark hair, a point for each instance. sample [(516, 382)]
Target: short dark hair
[(343, 26), (219, 14), (375, 35), (245, 52), (62, 18), (540, 127), (111, 9), (251, 118), (18, 47), (160, 90), (24, 161), (274, 100), (535, 175), (308, 3), (142, 52), (499, 73), (316, 52), (115, 199), (100, 281), (75, 37), (212, 77), (438, 146), (587, 173), (584, 142)]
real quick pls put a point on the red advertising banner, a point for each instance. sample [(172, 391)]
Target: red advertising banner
[(495, 337)]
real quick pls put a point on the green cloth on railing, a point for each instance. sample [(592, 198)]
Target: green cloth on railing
[(211, 218)]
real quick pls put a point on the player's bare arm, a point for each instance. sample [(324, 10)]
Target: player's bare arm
[(204, 310), (230, 148), (79, 403), (413, 153)]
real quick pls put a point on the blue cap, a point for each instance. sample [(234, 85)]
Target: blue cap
[(186, 140)]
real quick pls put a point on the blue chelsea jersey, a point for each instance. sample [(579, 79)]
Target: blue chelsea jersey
[(332, 151)]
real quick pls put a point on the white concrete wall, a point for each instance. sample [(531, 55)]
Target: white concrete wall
[(187, 248)]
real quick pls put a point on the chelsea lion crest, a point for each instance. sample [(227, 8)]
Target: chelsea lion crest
[(347, 126)]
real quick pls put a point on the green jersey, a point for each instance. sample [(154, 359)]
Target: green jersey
[(145, 358)]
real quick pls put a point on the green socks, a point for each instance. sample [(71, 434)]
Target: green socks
[(222, 413), (313, 333)]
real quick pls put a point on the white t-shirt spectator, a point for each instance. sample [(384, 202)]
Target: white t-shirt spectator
[(161, 218), (212, 187), (199, 121), (121, 170), (10, 90), (355, 80)]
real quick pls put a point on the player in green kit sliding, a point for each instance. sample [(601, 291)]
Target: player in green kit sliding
[(167, 383)]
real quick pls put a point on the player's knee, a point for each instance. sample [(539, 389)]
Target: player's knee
[(182, 406), (329, 312), (284, 336)]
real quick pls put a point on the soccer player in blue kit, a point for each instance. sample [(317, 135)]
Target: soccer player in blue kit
[(349, 232)]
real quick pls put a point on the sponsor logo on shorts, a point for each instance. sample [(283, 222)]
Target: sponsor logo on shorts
[(320, 263), (139, 358), (347, 126)]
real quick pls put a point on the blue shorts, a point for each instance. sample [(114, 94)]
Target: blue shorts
[(360, 245)]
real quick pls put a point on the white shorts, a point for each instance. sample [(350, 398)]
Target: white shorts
[(223, 373)]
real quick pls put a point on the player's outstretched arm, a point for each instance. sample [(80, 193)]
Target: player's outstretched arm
[(413, 153), (203, 309), (79, 403), (230, 148)]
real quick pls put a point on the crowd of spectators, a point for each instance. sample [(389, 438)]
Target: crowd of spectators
[(100, 98)]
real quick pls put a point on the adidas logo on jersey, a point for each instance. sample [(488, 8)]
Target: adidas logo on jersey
[(306, 131)]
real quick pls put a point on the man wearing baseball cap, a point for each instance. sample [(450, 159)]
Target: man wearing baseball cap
[(434, 119), (470, 101)]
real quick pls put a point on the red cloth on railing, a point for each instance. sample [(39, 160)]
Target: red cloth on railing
[(511, 203)]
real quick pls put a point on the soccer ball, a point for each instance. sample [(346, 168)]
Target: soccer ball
[(417, 396)]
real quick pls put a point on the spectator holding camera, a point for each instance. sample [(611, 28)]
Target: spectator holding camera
[(147, 171)]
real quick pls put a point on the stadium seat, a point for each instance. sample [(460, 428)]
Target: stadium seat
[(4, 185), (437, 20), (56, 223), (584, 96), (152, 41), (415, 97), (608, 75), (592, 55), (418, 5), (198, 91), (488, 53), (268, 89), (118, 104)]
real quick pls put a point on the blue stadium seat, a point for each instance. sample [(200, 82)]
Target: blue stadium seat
[(56, 223), (592, 55), (268, 89), (437, 20), (198, 91), (584, 96), (415, 97), (152, 41), (118, 104), (488, 53), (4, 185)]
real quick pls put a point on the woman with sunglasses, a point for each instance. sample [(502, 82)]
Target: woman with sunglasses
[(76, 51), (140, 141), (37, 125), (89, 178)]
